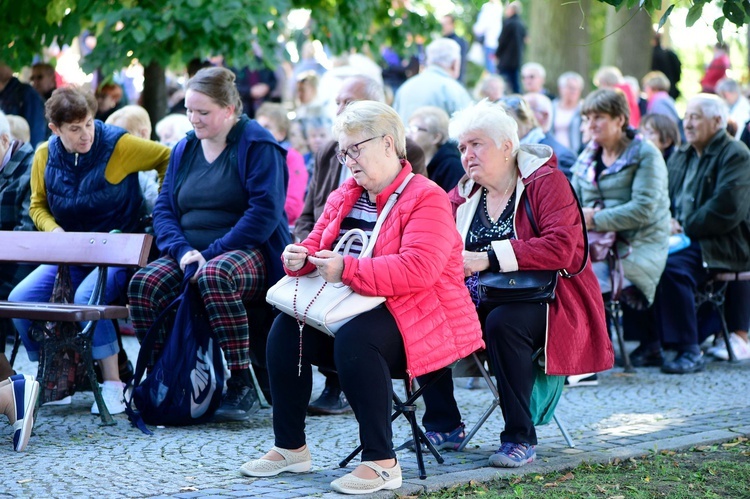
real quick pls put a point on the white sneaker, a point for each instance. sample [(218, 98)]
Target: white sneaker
[(740, 347), (718, 346), (113, 398), (63, 401)]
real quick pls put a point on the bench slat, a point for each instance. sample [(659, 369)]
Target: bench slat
[(75, 248), (732, 276), (61, 312)]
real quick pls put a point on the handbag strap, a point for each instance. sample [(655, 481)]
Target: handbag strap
[(366, 252), (535, 228)]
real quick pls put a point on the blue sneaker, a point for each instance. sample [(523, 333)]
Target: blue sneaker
[(440, 440), (25, 392), (513, 455)]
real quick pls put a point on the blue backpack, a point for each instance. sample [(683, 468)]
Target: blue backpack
[(186, 384)]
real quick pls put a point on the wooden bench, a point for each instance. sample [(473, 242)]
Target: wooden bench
[(92, 249)]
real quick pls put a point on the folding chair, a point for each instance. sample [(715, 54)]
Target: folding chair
[(713, 292), (496, 403), (408, 409)]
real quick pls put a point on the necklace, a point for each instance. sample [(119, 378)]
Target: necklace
[(301, 321), (498, 211)]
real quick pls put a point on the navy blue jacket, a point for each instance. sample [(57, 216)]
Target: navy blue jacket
[(262, 167), (78, 193), (22, 100)]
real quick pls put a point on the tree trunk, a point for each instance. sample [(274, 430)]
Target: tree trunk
[(556, 41), (154, 96), (628, 41)]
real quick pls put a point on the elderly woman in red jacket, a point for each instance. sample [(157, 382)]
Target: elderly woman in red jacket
[(495, 228), (427, 320)]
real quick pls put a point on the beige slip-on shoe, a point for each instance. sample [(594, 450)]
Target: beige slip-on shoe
[(293, 462), (388, 479)]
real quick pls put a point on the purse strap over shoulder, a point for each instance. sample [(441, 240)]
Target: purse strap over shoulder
[(370, 245), (535, 228)]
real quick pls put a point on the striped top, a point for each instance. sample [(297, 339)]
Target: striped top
[(364, 215)]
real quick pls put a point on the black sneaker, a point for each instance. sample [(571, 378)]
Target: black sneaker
[(240, 401), (685, 363), (332, 401), (582, 380), (645, 357)]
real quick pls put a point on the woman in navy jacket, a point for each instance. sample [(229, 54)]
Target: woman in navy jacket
[(221, 206)]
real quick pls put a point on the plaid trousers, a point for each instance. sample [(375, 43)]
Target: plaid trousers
[(225, 283)]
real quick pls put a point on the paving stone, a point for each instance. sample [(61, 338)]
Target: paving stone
[(625, 416)]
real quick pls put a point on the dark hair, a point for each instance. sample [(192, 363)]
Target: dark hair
[(218, 84), (112, 89), (607, 101), (664, 126), (69, 104)]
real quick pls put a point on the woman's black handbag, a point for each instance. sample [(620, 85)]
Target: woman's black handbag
[(498, 288), (522, 285)]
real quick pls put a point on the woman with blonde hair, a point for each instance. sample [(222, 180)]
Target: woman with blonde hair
[(427, 320)]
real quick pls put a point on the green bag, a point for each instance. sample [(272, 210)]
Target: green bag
[(544, 397)]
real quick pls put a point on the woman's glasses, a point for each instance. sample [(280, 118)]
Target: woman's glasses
[(353, 151)]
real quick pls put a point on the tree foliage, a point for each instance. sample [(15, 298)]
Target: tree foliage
[(175, 31), (735, 11)]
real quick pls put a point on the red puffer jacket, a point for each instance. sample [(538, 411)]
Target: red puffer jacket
[(416, 264)]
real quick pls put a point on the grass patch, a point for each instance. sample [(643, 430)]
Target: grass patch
[(707, 471)]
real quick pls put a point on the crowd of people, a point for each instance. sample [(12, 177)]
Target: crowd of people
[(250, 187)]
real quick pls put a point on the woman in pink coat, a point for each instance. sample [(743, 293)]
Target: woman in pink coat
[(426, 323), (494, 224)]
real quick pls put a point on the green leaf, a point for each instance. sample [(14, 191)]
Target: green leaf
[(734, 12), (665, 16), (718, 26), (694, 14)]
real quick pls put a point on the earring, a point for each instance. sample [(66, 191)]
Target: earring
[(507, 159)]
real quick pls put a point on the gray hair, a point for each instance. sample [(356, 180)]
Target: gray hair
[(608, 76), (570, 75), (4, 126), (728, 85), (539, 102), (489, 118), (536, 68), (712, 106), (373, 119), (372, 89), (443, 52), (435, 119)]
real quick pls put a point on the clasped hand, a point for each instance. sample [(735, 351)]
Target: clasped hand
[(330, 265), (192, 256), (475, 262)]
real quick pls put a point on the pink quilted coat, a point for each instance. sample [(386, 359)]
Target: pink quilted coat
[(416, 265)]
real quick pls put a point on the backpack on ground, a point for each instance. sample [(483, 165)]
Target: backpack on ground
[(186, 384)]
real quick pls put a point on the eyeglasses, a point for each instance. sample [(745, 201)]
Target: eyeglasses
[(353, 151)]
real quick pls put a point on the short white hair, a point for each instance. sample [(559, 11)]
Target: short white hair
[(570, 75), (4, 126), (712, 106), (443, 52), (728, 85), (540, 103), (536, 68), (486, 117)]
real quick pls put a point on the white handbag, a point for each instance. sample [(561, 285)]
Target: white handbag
[(325, 305)]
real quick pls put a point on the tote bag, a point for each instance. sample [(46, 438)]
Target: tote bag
[(324, 305)]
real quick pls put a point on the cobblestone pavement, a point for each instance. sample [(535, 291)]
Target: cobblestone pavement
[(71, 454)]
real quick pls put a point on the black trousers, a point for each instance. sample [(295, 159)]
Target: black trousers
[(367, 352), (512, 334), (674, 320)]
